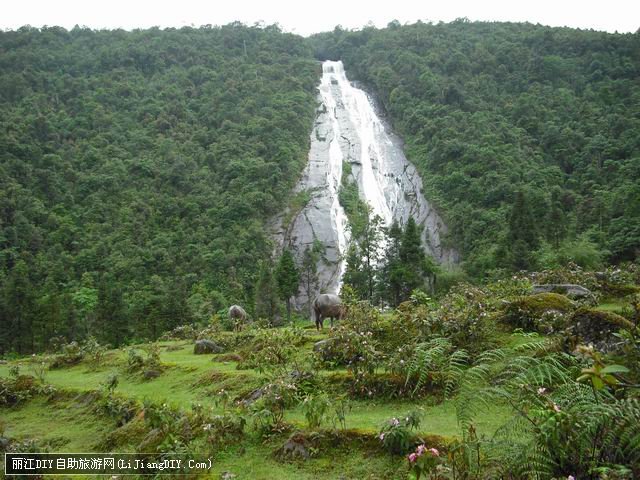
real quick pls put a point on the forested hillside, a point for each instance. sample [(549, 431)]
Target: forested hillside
[(137, 169), (527, 137)]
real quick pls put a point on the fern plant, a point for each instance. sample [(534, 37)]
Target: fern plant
[(561, 427), (438, 364)]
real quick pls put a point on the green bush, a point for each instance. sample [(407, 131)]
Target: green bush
[(396, 434), (272, 349)]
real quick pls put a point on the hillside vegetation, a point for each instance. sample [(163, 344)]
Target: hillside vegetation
[(490, 111), (137, 169), (489, 382)]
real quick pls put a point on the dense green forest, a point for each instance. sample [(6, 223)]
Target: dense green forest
[(137, 169), (495, 114)]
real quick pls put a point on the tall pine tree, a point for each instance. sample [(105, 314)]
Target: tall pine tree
[(522, 234), (288, 278), (416, 265), (266, 295)]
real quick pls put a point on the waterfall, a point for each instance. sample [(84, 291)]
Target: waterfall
[(348, 129)]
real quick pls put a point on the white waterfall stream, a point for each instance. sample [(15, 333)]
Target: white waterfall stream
[(348, 129)]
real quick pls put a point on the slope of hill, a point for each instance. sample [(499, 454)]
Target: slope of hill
[(492, 109), (136, 171)]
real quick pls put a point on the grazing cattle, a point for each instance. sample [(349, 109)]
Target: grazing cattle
[(238, 316), (327, 305)]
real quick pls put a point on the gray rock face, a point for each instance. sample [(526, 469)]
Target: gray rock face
[(206, 346), (348, 129), (568, 289)]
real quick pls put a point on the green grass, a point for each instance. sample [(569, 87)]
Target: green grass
[(257, 462), (66, 425), (62, 426), (190, 379), (614, 305)]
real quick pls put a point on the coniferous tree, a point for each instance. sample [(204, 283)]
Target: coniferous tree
[(364, 254), (310, 259), (416, 266), (355, 275), (392, 271), (19, 309), (111, 315), (288, 278), (267, 295), (522, 234)]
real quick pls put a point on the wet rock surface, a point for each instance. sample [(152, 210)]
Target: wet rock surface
[(348, 129)]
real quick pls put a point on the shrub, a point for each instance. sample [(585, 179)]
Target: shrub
[(94, 351), (316, 409), (71, 354), (356, 344), (149, 363), (272, 349), (465, 317), (183, 332), (224, 430), (424, 460), (560, 426), (396, 434), (16, 390), (268, 410), (571, 273)]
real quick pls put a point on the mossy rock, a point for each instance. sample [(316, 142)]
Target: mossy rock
[(617, 290), (588, 325), (542, 312)]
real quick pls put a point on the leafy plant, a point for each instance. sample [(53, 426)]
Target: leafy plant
[(436, 363), (396, 433), (316, 409)]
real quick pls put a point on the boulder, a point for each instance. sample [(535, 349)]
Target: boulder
[(568, 289), (206, 346), (325, 349), (151, 374), (253, 396), (588, 325), (297, 447), (542, 312), (4, 444), (321, 345)]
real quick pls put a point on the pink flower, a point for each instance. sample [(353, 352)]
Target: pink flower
[(434, 452), (420, 450), (541, 391), (571, 477), (381, 437), (413, 457)]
